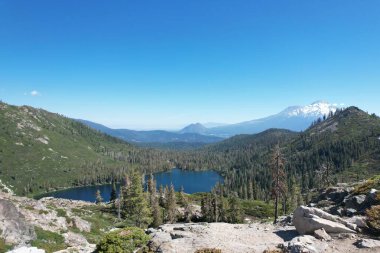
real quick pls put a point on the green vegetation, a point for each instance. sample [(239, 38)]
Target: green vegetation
[(124, 240), (42, 151), (373, 218), (101, 219), (345, 141), (258, 209), (45, 151), (4, 247), (208, 250), (372, 183), (135, 205), (48, 241)]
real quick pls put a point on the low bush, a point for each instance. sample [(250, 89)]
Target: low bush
[(3, 246), (369, 184), (257, 208), (207, 250), (373, 219), (123, 240), (49, 241)]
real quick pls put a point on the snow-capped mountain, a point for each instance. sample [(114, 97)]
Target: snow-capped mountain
[(316, 109), (296, 118)]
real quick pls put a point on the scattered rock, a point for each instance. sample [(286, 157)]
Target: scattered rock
[(25, 249), (305, 244), (307, 220), (371, 198), (359, 221), (346, 236), (231, 238), (14, 229), (334, 194), (322, 235), (74, 239), (355, 202), (350, 212), (368, 243), (81, 224)]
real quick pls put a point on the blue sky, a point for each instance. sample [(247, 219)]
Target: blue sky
[(163, 64)]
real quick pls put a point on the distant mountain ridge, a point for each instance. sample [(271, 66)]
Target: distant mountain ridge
[(294, 118), (153, 136)]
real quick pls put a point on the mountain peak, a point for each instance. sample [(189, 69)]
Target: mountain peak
[(194, 128), (315, 109)]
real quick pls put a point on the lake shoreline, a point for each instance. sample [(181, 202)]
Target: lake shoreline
[(192, 181)]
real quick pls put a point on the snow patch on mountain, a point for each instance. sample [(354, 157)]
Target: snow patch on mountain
[(316, 109)]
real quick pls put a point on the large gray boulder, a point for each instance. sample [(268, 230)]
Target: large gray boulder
[(14, 229), (308, 219), (305, 244)]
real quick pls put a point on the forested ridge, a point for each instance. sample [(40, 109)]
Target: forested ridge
[(347, 142), (42, 151)]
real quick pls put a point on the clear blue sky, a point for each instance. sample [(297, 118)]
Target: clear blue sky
[(162, 64)]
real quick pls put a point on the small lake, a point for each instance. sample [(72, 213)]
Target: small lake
[(192, 182)]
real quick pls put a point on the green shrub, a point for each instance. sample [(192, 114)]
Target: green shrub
[(373, 218), (61, 212), (43, 212), (49, 241), (3, 246), (258, 209), (208, 250), (123, 240), (365, 187)]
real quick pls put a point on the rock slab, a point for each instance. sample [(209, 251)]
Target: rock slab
[(307, 220), (15, 230)]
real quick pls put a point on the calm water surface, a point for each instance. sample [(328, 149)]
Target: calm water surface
[(192, 181)]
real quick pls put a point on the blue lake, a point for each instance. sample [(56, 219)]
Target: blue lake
[(192, 181)]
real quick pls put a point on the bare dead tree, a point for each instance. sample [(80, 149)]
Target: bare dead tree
[(279, 187), (324, 175)]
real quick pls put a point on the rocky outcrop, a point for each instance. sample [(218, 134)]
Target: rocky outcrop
[(19, 215), (368, 243), (14, 228), (308, 219), (25, 249), (305, 244), (322, 235), (231, 238)]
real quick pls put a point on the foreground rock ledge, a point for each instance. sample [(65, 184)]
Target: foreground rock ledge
[(228, 237)]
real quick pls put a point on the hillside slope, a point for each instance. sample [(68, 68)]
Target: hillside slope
[(40, 151)]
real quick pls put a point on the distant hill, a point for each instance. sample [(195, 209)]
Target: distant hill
[(194, 128), (40, 151), (154, 136), (295, 118)]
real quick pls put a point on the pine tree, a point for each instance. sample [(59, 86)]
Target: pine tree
[(278, 178), (171, 205), (113, 194), (99, 198), (324, 175), (152, 189), (154, 202), (161, 196), (136, 207), (234, 212)]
